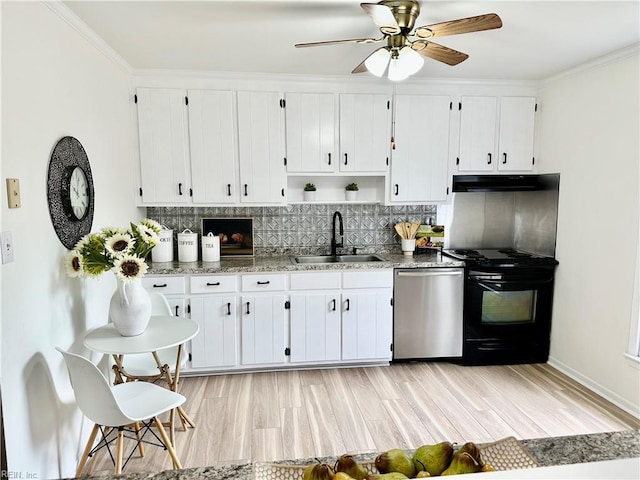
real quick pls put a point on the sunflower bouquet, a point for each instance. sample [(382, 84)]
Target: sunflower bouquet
[(114, 249)]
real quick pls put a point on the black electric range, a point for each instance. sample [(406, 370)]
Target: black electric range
[(507, 307), (499, 257)]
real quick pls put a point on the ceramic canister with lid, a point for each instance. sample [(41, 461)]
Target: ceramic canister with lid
[(210, 248), (187, 246), (163, 251)]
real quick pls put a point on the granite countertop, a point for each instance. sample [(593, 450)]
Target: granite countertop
[(547, 452), (283, 263)]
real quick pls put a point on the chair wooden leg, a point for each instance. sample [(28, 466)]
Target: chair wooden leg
[(87, 449), (139, 437), (167, 442), (119, 448)]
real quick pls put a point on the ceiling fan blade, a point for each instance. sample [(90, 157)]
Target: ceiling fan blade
[(488, 21), (438, 52), (338, 42), (383, 17), (360, 68)]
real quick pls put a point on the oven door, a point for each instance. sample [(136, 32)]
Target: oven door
[(507, 314)]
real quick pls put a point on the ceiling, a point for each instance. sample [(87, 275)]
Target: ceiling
[(539, 39)]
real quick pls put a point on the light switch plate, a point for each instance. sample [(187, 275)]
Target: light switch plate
[(13, 192), (7, 247)]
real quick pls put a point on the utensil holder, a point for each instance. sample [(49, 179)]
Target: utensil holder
[(408, 246)]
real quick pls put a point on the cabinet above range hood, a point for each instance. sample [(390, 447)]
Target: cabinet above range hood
[(505, 183)]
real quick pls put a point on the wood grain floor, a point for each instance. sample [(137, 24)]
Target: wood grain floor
[(298, 414)]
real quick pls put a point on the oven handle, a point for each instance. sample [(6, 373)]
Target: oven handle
[(511, 282)]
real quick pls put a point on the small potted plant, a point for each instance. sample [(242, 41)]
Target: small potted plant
[(309, 192), (351, 191)]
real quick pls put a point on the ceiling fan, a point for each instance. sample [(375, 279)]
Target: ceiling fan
[(406, 47)]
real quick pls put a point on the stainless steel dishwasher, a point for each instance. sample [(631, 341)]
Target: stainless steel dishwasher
[(427, 313)]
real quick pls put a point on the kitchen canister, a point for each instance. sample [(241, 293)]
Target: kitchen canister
[(187, 246), (163, 251), (210, 248)]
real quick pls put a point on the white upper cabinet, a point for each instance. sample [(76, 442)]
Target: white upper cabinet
[(517, 127), (365, 132), (419, 160), (496, 134), (311, 132), (213, 140), (478, 122), (164, 145), (261, 148)]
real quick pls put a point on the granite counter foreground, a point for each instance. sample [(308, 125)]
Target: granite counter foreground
[(547, 451)]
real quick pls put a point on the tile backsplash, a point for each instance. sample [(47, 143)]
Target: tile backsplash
[(305, 228)]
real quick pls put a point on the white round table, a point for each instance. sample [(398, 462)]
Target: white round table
[(163, 331)]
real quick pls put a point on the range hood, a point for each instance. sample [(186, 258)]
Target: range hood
[(505, 183)]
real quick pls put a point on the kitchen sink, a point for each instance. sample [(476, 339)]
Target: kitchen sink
[(336, 259)]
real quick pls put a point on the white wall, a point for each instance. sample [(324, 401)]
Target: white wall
[(54, 83), (590, 134)]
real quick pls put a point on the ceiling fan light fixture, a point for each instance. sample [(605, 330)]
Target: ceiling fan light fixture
[(410, 60), (405, 64), (377, 62)]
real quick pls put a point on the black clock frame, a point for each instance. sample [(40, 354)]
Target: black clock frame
[(67, 154)]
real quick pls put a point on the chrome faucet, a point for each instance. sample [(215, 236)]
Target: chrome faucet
[(335, 244)]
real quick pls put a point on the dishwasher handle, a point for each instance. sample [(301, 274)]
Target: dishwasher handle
[(438, 273)]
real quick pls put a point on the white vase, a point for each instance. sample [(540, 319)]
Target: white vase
[(308, 195), (130, 308), (351, 195)]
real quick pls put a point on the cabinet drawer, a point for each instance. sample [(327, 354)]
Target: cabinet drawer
[(264, 283), (315, 280), (214, 283), (164, 284), (368, 279)]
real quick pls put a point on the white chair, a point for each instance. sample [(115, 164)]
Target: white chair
[(143, 364), (127, 407)]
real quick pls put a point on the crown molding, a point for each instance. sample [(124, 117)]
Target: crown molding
[(62, 11), (629, 51)]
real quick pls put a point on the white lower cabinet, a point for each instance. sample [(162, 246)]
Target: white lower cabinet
[(216, 345), (366, 325), (352, 323), (278, 319), (263, 320), (315, 327)]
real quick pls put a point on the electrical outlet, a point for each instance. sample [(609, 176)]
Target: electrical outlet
[(7, 247)]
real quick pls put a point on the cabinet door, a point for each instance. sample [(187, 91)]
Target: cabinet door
[(367, 323), (212, 138), (517, 126), (263, 329), (263, 176), (420, 158), (177, 306), (365, 127), (164, 146), (216, 343), (478, 121), (315, 327), (310, 128)]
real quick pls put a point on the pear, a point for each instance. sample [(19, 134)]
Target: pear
[(387, 476), (487, 468), (318, 471), (433, 458), (462, 463), (348, 465), (342, 476), (472, 449), (395, 460), (423, 474)]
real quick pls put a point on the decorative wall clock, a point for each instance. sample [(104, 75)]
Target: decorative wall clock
[(70, 191)]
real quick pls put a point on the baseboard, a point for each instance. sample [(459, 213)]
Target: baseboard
[(604, 392)]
